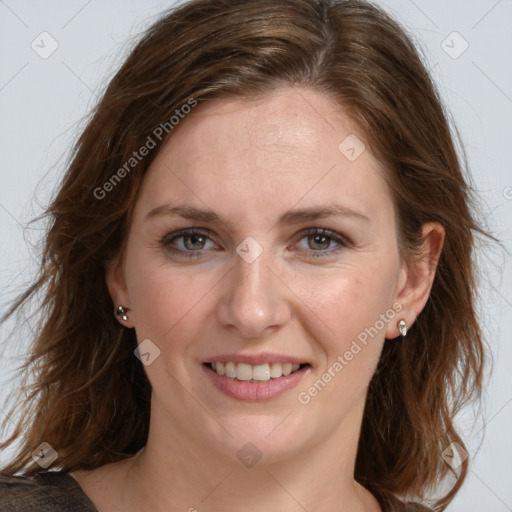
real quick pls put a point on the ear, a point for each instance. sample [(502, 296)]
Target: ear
[(417, 276), (116, 283)]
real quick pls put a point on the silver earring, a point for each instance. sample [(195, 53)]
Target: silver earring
[(121, 312), (402, 327)]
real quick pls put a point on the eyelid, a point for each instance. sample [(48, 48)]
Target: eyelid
[(184, 232), (340, 239), (165, 242), (342, 242), (343, 239)]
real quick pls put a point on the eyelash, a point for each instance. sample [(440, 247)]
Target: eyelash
[(171, 237)]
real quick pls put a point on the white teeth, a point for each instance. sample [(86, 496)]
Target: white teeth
[(260, 372), (276, 370), (243, 371), (220, 368), (230, 370)]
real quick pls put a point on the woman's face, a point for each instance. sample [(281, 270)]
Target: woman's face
[(259, 285)]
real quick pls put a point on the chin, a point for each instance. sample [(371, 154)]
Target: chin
[(261, 439)]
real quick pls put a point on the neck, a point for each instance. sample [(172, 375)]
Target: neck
[(172, 473)]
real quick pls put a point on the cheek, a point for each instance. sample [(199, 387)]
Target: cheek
[(166, 301), (351, 308), (352, 305)]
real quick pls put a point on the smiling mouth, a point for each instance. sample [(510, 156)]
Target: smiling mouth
[(254, 373)]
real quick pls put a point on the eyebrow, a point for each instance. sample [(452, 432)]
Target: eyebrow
[(290, 217)]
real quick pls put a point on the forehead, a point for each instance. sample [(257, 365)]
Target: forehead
[(265, 152), (298, 119)]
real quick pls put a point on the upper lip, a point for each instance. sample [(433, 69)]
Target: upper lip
[(255, 359)]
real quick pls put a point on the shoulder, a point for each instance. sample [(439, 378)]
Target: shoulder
[(45, 492)]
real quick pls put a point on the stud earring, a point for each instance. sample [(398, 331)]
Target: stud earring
[(402, 327), (121, 312)]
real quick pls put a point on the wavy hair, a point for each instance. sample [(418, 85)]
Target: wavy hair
[(89, 397)]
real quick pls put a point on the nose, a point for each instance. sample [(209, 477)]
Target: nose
[(254, 301)]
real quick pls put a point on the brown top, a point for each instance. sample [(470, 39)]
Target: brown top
[(46, 492), (55, 491)]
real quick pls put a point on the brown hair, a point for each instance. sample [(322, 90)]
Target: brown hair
[(90, 399)]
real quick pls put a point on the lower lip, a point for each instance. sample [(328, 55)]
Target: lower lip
[(255, 391)]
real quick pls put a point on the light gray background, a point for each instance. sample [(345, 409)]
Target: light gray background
[(42, 102)]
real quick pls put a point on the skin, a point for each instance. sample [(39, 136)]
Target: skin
[(251, 161)]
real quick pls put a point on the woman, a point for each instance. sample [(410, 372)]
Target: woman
[(258, 278)]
